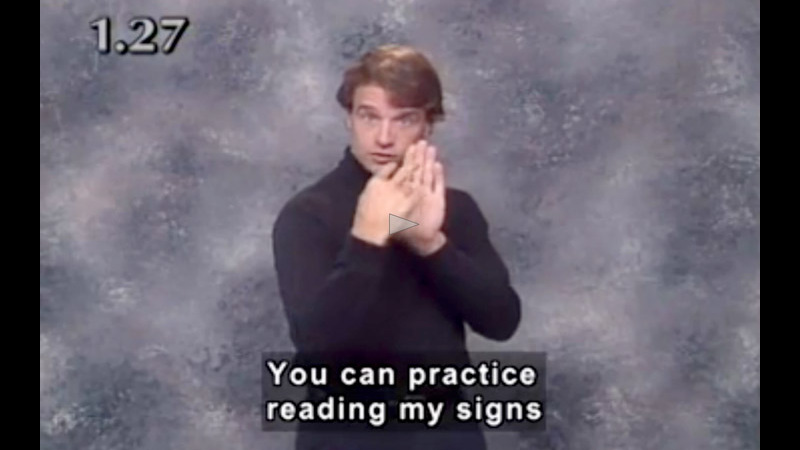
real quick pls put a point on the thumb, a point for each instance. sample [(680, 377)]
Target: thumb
[(387, 170)]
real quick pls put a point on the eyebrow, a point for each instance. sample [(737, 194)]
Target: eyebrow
[(407, 112)]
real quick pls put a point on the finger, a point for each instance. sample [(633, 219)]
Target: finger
[(419, 163), (404, 173), (387, 170), (410, 190), (408, 158), (439, 187), (413, 161), (428, 177), (413, 193)]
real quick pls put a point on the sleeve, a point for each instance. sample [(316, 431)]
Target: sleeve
[(469, 276), (327, 283)]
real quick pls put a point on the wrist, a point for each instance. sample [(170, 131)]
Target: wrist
[(371, 235), (431, 246)]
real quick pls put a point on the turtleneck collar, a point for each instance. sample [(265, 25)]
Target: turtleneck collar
[(352, 171)]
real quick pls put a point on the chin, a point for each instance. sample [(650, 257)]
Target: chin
[(374, 168)]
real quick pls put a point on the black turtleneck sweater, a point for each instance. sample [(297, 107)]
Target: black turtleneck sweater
[(343, 294)]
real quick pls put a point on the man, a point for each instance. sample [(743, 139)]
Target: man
[(348, 284)]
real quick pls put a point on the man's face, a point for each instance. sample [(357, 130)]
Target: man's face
[(380, 132)]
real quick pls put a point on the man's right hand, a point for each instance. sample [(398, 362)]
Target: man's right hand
[(385, 193)]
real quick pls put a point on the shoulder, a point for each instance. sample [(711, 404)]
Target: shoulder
[(460, 202), (306, 204), (463, 212), (459, 196)]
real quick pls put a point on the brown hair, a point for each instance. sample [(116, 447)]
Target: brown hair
[(406, 73)]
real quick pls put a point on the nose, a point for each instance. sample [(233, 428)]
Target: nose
[(385, 134)]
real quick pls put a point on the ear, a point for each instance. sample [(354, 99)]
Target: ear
[(348, 122)]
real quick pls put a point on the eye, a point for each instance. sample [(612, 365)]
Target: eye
[(409, 120)]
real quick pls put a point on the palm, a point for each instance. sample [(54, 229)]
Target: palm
[(426, 180), (429, 214)]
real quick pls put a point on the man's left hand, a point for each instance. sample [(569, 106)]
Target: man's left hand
[(427, 177)]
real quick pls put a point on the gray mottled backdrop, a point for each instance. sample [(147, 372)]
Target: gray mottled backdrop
[(614, 146)]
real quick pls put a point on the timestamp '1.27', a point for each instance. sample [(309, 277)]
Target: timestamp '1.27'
[(148, 28)]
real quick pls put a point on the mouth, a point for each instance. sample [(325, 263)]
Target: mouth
[(383, 158)]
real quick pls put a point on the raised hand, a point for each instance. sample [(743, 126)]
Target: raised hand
[(389, 191), (427, 180)]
